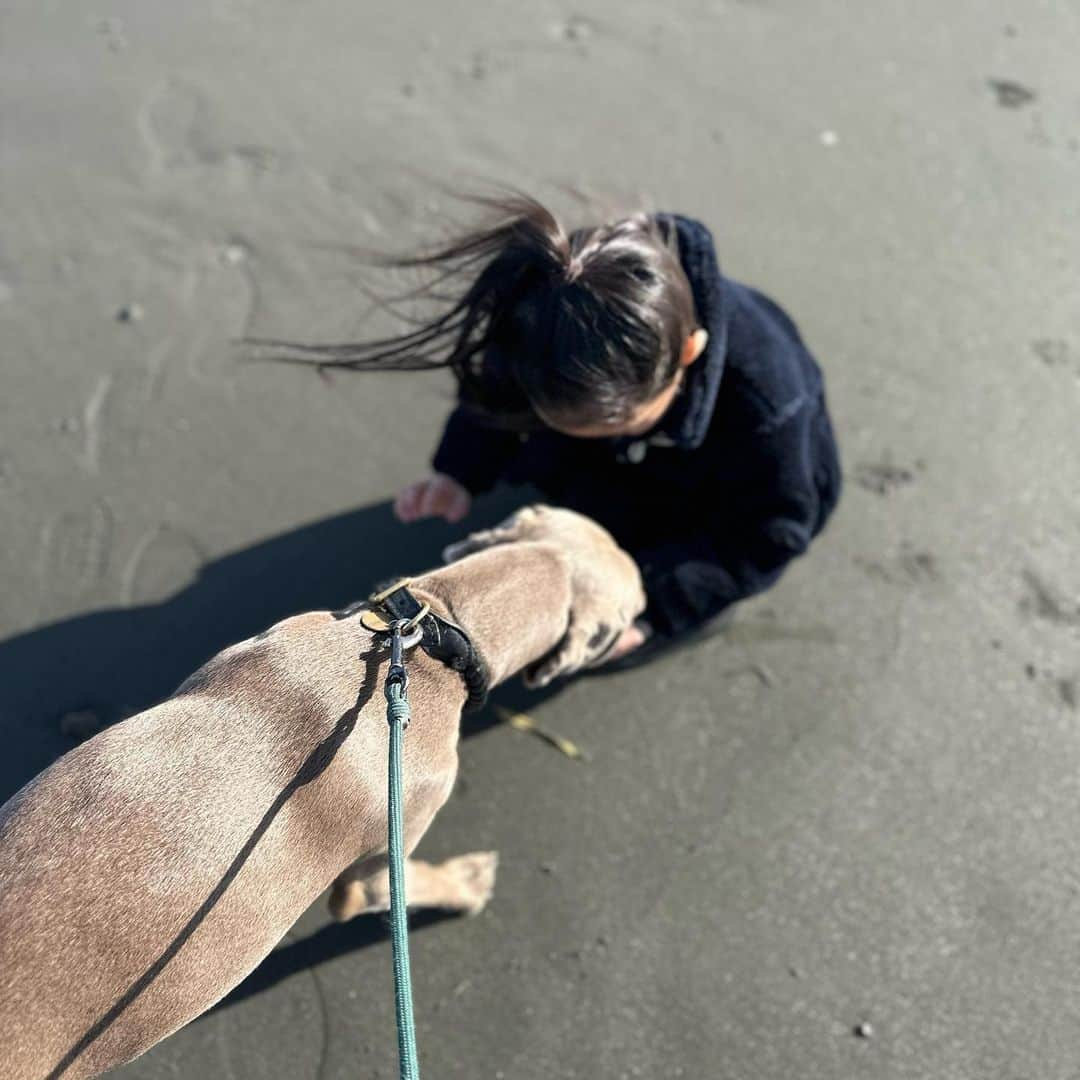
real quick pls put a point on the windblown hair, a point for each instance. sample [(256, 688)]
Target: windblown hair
[(581, 327)]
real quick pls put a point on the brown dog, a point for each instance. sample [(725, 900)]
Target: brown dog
[(148, 871)]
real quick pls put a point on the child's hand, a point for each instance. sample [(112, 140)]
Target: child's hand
[(633, 637), (436, 496)]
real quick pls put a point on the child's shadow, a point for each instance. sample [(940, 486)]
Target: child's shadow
[(119, 661)]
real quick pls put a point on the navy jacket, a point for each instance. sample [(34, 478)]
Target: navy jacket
[(733, 482)]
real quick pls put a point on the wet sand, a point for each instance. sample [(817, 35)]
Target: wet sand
[(857, 807)]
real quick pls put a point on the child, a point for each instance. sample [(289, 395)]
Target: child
[(620, 372)]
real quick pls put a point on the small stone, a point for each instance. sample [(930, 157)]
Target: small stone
[(130, 313), (1051, 351), (1029, 670), (829, 139), (577, 28), (547, 868), (864, 1030), (1069, 691), (794, 972), (67, 425), (408, 90), (81, 723), (235, 253), (1011, 94)]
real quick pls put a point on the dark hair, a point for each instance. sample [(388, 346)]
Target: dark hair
[(581, 326)]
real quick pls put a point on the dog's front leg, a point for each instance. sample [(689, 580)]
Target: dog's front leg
[(461, 884)]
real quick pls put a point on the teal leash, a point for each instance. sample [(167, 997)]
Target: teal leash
[(398, 715)]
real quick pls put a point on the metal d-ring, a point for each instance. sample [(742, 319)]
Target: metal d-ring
[(414, 623), (408, 632)]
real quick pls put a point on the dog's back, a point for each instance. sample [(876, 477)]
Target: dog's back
[(150, 869)]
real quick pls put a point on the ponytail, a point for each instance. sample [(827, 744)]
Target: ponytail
[(586, 324)]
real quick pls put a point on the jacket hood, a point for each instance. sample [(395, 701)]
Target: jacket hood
[(686, 423)]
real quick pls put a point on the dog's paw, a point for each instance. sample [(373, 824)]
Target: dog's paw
[(473, 877), (347, 899)]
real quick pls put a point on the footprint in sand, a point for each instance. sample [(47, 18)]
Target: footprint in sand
[(1069, 693), (75, 548), (908, 567), (176, 126), (753, 632), (1066, 689), (1045, 602), (163, 562), (180, 130), (1056, 353), (93, 411), (114, 416), (220, 300), (883, 478)]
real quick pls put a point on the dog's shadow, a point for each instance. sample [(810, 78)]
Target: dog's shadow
[(325, 944), (119, 661)]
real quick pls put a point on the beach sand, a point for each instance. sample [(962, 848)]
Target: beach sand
[(858, 806)]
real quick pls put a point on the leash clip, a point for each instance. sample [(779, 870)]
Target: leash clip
[(404, 634)]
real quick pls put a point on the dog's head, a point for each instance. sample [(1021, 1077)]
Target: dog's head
[(606, 590)]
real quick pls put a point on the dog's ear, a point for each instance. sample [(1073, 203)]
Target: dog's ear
[(513, 528), (478, 541)]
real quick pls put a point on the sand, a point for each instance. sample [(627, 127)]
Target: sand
[(857, 807)]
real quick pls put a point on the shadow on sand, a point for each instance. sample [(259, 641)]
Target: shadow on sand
[(119, 661)]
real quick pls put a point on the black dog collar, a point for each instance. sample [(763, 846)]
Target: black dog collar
[(442, 640)]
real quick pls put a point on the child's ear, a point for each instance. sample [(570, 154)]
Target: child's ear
[(694, 346)]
